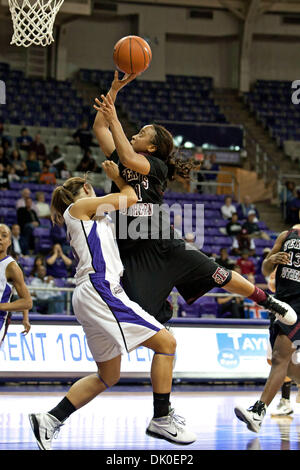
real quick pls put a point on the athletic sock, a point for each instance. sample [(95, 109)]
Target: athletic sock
[(161, 403), (258, 295), (63, 410), (286, 390)]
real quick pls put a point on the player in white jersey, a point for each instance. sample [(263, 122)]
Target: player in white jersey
[(112, 323), (11, 276)]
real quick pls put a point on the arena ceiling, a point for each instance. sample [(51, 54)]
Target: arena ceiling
[(240, 7)]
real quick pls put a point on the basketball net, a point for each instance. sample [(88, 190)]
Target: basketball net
[(33, 21)]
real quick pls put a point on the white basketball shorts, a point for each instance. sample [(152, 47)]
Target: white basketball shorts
[(112, 323)]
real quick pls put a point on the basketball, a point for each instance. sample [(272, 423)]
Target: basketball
[(132, 54)]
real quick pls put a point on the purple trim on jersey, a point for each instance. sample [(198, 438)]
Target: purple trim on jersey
[(98, 262), (4, 258), (122, 312), (6, 294)]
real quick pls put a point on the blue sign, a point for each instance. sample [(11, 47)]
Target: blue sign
[(235, 346)]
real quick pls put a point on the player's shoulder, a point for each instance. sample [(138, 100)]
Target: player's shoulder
[(12, 268), (157, 164)]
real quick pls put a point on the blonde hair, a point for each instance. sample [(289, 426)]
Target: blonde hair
[(65, 195)]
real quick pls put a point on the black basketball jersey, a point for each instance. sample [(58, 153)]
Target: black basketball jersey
[(288, 275), (144, 220)]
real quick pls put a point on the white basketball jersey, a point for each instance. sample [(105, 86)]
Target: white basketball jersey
[(94, 247), (5, 286)]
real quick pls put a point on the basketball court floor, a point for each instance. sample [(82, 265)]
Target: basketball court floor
[(117, 419)]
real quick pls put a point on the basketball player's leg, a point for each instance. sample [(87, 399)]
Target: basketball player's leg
[(164, 346), (165, 423), (198, 274), (87, 388), (281, 356), (284, 407)]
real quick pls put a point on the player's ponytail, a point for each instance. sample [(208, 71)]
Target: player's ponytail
[(177, 167), (63, 196)]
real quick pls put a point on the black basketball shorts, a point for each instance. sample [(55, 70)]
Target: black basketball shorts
[(291, 331), (155, 267)]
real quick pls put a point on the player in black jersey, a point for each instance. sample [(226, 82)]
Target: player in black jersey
[(157, 260), (285, 254)]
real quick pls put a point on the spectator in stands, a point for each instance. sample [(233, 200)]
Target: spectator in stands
[(4, 137), (211, 164), (293, 208), (55, 154), (224, 260), (49, 164), (42, 207), (87, 163), (3, 159), (18, 242), (25, 140), (6, 149), (4, 181), (243, 242), (38, 147), (83, 136), (21, 202), (58, 263), (252, 228), (286, 196), (58, 235), (228, 208), (46, 301), (12, 175), (32, 164), (245, 207), (38, 261), (64, 172), (233, 227), (16, 161), (46, 177), (28, 221), (230, 306), (247, 266)]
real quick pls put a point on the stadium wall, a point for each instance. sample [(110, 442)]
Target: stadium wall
[(180, 44)]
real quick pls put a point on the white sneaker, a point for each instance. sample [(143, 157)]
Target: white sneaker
[(282, 311), (284, 408), (172, 428), (253, 416), (45, 427)]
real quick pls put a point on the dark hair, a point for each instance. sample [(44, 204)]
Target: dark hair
[(63, 196), (177, 167)]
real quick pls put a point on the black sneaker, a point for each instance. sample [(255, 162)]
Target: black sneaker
[(282, 311), (253, 416)]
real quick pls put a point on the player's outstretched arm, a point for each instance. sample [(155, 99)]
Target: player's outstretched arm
[(26, 322), (86, 208), (275, 256), (128, 157), (101, 125), (15, 276)]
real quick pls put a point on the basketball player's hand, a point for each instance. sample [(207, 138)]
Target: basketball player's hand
[(111, 169), (107, 107), (117, 84), (280, 258), (27, 327)]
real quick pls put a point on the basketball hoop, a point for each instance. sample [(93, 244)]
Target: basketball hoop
[(33, 21)]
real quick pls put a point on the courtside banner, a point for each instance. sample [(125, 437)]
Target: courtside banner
[(61, 350)]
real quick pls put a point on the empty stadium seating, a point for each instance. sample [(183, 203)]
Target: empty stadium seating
[(271, 101)]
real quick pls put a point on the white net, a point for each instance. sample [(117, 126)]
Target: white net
[(33, 21)]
